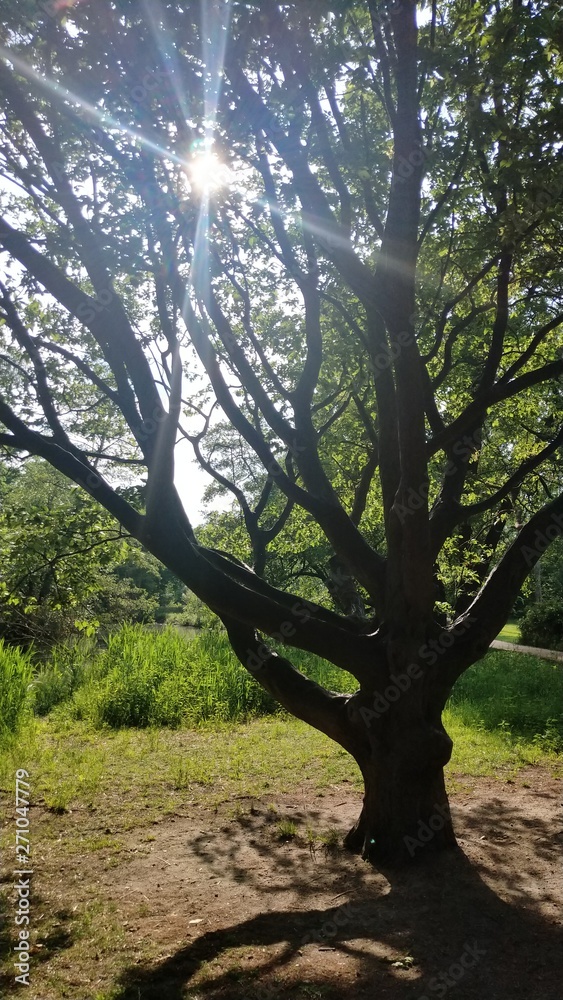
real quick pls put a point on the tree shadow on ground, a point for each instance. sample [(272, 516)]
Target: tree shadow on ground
[(437, 929), (6, 920), (57, 938)]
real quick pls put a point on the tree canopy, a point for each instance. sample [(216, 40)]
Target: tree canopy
[(321, 243)]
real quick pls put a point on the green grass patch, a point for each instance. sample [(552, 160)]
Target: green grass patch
[(510, 633), (146, 681), (147, 678), (135, 777)]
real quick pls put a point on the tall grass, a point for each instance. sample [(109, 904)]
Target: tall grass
[(16, 670), (159, 679), (64, 672), (147, 678)]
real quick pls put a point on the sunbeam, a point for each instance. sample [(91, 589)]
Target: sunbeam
[(102, 117)]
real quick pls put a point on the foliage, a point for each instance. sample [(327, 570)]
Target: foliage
[(542, 625), (549, 574), (310, 166), (64, 561), (117, 599), (55, 544), (193, 613)]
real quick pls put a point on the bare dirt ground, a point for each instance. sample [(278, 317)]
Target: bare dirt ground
[(231, 911)]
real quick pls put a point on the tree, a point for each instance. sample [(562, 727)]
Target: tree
[(65, 563), (340, 231)]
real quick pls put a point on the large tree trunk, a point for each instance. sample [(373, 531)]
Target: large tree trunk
[(405, 815), (394, 732)]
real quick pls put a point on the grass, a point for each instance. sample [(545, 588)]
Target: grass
[(505, 712), (150, 680), (286, 830), (16, 669), (510, 633), (98, 790), (65, 671), (144, 678), (102, 792), (138, 776), (115, 768), (518, 695)]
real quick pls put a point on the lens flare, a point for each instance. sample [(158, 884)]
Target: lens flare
[(206, 171)]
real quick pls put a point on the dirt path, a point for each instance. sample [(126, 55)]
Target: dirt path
[(226, 909)]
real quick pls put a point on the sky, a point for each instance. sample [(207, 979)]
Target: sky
[(190, 482)]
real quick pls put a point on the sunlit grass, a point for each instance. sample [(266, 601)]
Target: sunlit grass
[(138, 776), (505, 713), (510, 633), (16, 670)]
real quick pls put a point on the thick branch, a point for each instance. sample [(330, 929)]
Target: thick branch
[(493, 604), (302, 697)]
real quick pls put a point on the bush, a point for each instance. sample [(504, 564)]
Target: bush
[(542, 625), (194, 614), (16, 669), (38, 627)]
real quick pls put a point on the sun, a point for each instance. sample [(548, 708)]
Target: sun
[(206, 171)]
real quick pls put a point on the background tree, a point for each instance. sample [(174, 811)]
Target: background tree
[(342, 232), (65, 564)]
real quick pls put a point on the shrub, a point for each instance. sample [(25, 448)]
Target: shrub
[(16, 669), (542, 625)]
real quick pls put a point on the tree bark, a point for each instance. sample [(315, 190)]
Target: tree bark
[(405, 815)]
